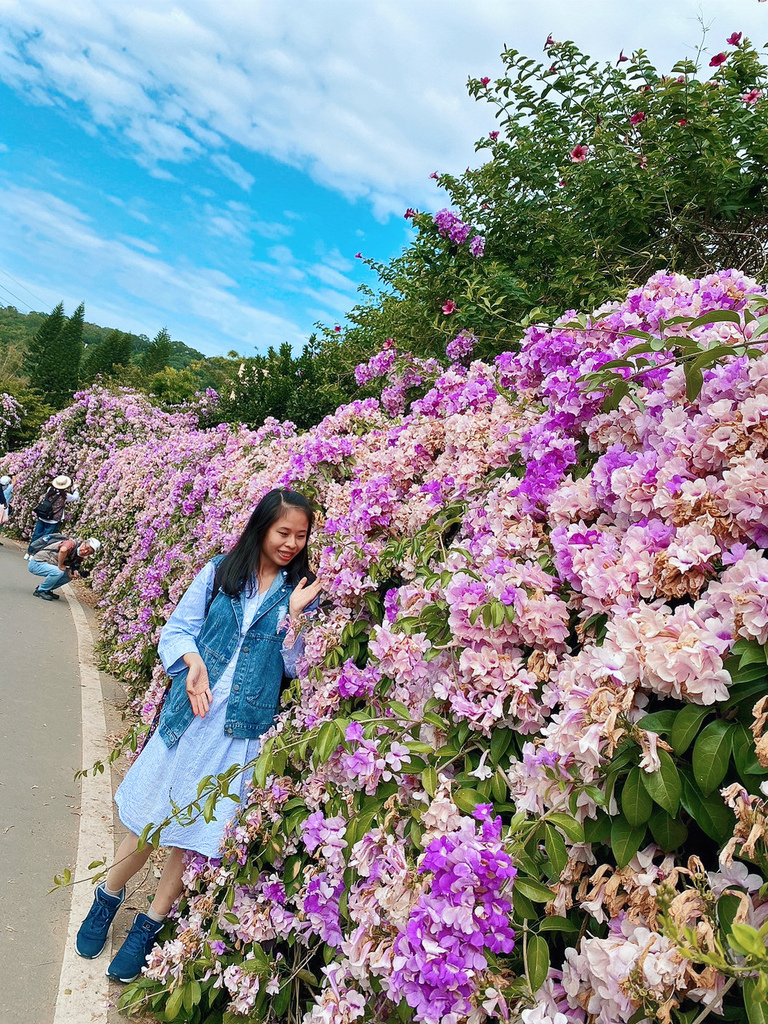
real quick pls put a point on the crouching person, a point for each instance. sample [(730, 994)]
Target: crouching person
[(58, 560)]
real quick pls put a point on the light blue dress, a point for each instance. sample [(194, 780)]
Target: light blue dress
[(161, 774)]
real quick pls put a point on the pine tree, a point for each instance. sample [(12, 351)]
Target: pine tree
[(41, 354), (70, 353), (158, 354), (104, 358)]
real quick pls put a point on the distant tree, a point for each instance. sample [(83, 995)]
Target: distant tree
[(105, 358), (41, 353), (70, 354), (158, 354), (302, 389)]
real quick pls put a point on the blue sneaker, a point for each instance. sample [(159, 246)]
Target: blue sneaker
[(132, 955), (92, 937)]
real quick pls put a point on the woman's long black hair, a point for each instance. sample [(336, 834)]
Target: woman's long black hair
[(237, 568)]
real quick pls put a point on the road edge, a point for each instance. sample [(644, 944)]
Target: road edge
[(83, 993)]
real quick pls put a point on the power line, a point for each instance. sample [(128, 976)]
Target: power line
[(16, 297), (37, 297)]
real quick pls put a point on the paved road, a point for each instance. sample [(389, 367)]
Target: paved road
[(40, 751)]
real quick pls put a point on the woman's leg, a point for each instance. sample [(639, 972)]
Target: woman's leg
[(128, 860), (170, 885)]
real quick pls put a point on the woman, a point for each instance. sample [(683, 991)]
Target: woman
[(222, 649)]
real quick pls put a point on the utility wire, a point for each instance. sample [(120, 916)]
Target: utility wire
[(37, 297), (16, 297)]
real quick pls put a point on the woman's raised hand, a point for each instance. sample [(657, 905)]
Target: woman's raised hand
[(303, 594), (198, 688)]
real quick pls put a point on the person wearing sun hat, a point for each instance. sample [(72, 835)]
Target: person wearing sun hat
[(50, 509), (59, 562)]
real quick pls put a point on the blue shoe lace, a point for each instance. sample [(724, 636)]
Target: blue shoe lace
[(99, 916), (133, 953)]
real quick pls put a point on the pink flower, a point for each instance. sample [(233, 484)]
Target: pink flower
[(550, 42), (410, 213), (449, 307), (358, 255), (734, 39), (493, 135), (579, 154), (434, 175), (637, 117), (484, 81), (622, 58), (682, 122), (642, 159), (337, 329), (717, 60), (752, 96)]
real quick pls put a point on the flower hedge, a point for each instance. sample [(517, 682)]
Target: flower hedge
[(520, 774)]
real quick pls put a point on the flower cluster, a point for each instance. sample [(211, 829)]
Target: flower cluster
[(454, 228), (514, 578), (10, 416)]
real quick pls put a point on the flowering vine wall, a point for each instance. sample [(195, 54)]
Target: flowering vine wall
[(520, 774)]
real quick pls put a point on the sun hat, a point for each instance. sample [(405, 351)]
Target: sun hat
[(4, 481), (61, 483), (92, 543)]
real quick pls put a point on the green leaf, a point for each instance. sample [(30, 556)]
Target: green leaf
[(429, 780), (173, 1006), (500, 741), (524, 910), (538, 961), (743, 939), (670, 833), (709, 812), (727, 908), (754, 1001), (597, 830), (625, 840), (659, 721), (555, 848), (400, 710), (567, 824), (664, 786), (711, 755), (327, 741), (467, 799), (744, 755), (687, 726), (533, 890), (636, 804), (559, 924)]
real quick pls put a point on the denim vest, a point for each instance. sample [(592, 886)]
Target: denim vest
[(255, 692)]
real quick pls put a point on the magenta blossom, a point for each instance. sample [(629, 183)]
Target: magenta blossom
[(493, 135), (717, 60), (410, 213), (449, 307), (485, 80), (579, 154), (734, 39), (637, 117), (751, 97)]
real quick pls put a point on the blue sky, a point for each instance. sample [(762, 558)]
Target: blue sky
[(215, 167)]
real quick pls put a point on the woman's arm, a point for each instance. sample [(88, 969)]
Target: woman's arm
[(178, 636), (306, 603)]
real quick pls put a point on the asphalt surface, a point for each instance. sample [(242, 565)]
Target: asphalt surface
[(39, 799)]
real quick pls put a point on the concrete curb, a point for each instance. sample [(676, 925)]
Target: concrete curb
[(83, 985)]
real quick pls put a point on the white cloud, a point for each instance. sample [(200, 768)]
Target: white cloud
[(232, 170), (368, 98), (197, 303)]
